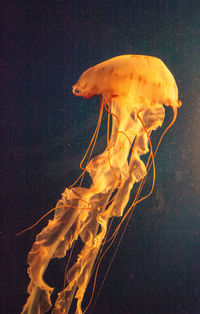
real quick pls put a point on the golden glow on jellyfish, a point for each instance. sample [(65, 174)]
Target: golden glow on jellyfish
[(133, 90)]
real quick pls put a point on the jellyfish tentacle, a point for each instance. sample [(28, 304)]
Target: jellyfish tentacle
[(151, 156), (94, 137), (108, 148), (118, 125)]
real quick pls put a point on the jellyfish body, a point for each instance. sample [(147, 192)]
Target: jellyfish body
[(133, 90)]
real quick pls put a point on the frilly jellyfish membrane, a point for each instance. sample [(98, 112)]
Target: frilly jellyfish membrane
[(133, 90)]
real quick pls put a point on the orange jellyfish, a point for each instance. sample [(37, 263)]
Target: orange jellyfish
[(133, 89)]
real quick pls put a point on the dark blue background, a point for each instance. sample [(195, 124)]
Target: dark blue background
[(45, 131)]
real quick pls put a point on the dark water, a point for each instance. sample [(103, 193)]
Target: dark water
[(46, 46)]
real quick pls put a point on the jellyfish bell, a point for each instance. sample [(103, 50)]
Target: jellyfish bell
[(133, 90), (130, 76)]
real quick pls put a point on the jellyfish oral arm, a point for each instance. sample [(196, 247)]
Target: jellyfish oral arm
[(69, 223), (39, 257)]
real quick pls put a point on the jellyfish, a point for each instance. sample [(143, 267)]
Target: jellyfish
[(133, 91)]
